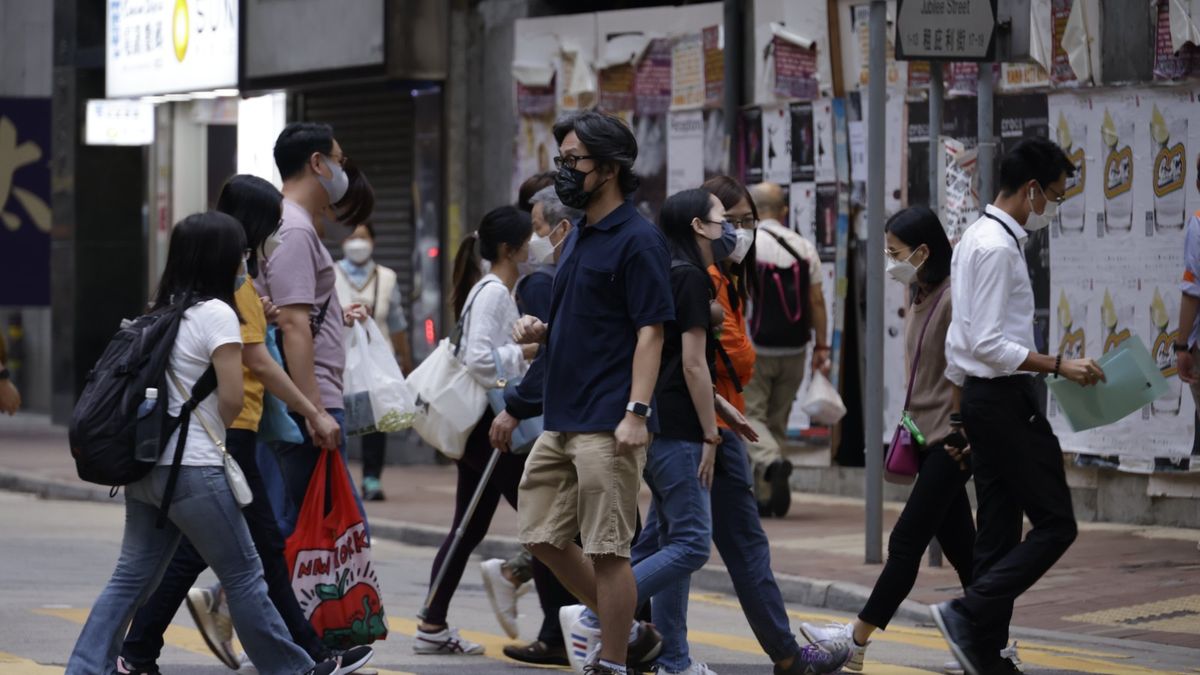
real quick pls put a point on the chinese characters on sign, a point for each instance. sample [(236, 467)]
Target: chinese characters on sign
[(960, 30)]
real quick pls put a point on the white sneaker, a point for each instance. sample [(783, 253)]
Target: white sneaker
[(696, 668), (445, 641), (837, 632), (581, 640), (953, 667), (502, 594), (210, 611)]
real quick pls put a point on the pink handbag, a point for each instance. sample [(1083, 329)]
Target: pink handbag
[(903, 458)]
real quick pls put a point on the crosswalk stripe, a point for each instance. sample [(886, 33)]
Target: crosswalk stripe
[(11, 664), (182, 637), (1048, 656)]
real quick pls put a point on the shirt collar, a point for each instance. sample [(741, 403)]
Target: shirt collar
[(619, 216), (1013, 225)]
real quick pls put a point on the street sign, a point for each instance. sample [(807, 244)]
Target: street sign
[(945, 30)]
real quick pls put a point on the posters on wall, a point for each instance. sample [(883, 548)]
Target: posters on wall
[(685, 150), (824, 167), (652, 79), (1061, 73), (795, 70), (25, 215), (1168, 63), (1116, 253), (534, 149), (803, 145), (688, 89), (750, 145), (650, 130), (616, 87), (714, 66), (716, 145), (777, 141)]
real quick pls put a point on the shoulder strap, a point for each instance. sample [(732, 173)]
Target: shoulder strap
[(460, 329), (787, 247), (319, 320), (205, 385), (728, 362), (912, 375), (1016, 240)]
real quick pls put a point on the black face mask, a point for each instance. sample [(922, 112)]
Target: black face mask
[(568, 185)]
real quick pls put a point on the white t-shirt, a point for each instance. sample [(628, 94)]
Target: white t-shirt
[(205, 326)]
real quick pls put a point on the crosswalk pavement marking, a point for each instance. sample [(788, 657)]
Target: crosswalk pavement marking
[(182, 637), (1032, 653), (11, 664)]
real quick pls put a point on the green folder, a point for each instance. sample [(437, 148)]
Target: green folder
[(1133, 381)]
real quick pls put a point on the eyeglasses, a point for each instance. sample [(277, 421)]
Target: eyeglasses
[(570, 160), (713, 222), (1057, 200), (744, 221)]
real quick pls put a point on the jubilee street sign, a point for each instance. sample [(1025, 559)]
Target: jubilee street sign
[(949, 30)]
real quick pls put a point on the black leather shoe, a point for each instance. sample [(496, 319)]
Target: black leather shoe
[(957, 630), (538, 653)]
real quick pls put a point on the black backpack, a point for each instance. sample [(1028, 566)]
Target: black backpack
[(781, 314), (105, 429)]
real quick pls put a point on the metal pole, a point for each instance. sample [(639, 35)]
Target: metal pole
[(876, 125), (987, 143), (734, 71), (936, 96)]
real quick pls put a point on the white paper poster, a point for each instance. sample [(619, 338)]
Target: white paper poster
[(1116, 253), (826, 170), (777, 144), (803, 204), (685, 150)]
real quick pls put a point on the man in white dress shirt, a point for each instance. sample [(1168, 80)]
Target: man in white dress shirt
[(990, 355)]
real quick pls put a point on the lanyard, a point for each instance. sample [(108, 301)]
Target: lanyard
[(1020, 249)]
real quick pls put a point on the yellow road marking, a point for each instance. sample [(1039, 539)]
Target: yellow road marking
[(749, 646), (182, 637), (1033, 653), (11, 664)]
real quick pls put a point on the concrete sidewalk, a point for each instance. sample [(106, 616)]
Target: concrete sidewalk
[(1117, 581)]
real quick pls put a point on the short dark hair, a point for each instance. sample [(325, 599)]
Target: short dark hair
[(202, 260), (502, 225), (743, 275), (918, 225), (675, 220), (297, 142), (608, 139), (257, 205), (370, 226), (532, 186), (1034, 158)]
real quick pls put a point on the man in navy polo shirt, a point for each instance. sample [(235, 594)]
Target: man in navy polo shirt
[(612, 293)]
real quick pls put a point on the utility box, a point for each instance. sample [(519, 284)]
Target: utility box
[(1013, 31)]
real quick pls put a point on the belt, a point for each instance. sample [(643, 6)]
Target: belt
[(1019, 379)]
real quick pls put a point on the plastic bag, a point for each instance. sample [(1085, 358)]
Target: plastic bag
[(376, 396), (823, 404), (329, 557), (449, 400)]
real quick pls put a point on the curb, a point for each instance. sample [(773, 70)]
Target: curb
[(819, 593)]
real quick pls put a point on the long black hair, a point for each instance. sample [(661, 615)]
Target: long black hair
[(203, 260), (918, 225), (503, 225), (676, 218), (742, 278), (257, 205)]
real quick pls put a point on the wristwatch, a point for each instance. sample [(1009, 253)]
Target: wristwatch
[(638, 408), (4, 374), (1179, 347)]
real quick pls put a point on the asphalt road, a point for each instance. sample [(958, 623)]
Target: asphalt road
[(57, 555)]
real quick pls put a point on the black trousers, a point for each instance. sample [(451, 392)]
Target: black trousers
[(374, 451), (1018, 467), (937, 507), (144, 641)]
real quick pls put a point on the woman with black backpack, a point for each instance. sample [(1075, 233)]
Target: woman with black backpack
[(205, 266)]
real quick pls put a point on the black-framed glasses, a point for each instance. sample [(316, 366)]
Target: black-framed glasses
[(1057, 200), (714, 222), (744, 221), (570, 160)]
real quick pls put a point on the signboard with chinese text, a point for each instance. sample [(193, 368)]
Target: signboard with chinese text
[(170, 46), (952, 30)]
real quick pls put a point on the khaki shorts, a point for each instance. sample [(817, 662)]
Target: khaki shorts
[(576, 483)]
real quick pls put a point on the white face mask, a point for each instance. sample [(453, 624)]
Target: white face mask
[(903, 270), (1039, 221), (745, 239), (337, 185), (358, 251), (270, 244), (541, 250)]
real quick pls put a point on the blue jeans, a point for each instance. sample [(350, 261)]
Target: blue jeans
[(672, 545), (743, 545), (203, 509), (296, 464)]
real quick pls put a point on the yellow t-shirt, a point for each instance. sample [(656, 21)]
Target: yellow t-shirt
[(254, 331)]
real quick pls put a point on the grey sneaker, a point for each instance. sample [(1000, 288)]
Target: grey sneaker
[(211, 614), (837, 632), (1009, 653)]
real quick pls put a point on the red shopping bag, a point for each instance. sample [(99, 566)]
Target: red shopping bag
[(329, 556)]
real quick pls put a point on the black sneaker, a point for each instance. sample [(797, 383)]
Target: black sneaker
[(777, 474), (645, 649), (956, 628), (352, 659), (127, 668), (326, 667), (597, 669), (538, 653)]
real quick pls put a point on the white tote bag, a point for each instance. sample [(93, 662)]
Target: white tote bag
[(823, 404), (377, 399)]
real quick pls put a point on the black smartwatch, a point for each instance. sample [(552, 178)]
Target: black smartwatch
[(638, 408), (4, 374)]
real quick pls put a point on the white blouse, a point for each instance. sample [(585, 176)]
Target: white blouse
[(487, 327)]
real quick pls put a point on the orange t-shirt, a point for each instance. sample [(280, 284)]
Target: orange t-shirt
[(736, 343)]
